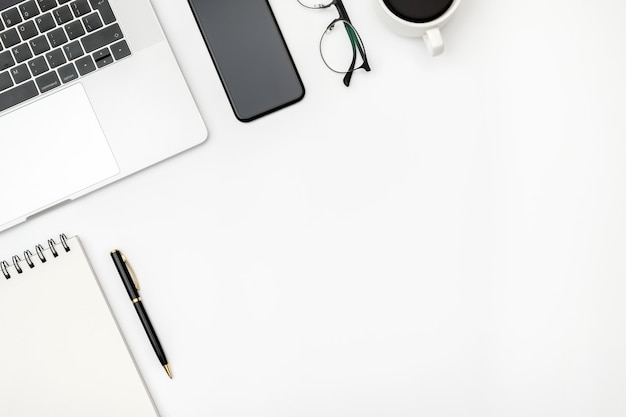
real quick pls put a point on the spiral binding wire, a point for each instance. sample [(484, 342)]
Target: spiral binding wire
[(16, 260)]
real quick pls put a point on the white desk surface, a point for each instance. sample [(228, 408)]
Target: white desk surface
[(446, 237)]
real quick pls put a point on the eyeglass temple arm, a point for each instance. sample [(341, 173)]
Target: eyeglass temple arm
[(355, 41), (348, 76), (356, 44), (343, 14)]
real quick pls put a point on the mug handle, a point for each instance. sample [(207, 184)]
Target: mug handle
[(433, 41)]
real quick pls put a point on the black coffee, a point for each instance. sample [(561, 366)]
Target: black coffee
[(418, 11)]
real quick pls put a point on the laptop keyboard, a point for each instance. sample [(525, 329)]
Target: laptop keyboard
[(47, 43)]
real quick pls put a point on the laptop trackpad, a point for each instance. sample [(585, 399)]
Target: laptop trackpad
[(54, 149)]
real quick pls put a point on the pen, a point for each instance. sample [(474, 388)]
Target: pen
[(132, 287)]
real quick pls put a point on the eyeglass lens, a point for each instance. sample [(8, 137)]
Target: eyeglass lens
[(339, 47)]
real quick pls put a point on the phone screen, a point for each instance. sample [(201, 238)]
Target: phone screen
[(250, 55)]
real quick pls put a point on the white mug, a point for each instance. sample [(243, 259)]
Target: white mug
[(424, 27)]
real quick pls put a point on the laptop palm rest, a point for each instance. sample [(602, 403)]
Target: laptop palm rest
[(65, 148)]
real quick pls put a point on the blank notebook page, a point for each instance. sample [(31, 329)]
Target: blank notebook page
[(61, 352)]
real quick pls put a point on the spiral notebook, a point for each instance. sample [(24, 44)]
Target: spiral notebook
[(62, 353)]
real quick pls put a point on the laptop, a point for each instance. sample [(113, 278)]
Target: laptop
[(90, 92)]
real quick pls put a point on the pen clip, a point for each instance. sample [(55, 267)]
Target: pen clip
[(133, 276)]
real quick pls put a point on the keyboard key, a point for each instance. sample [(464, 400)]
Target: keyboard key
[(73, 50), (55, 58), (104, 8), (38, 66), (85, 65), (1, 25), (11, 17), (6, 60), (80, 8), (101, 54), (57, 37), (20, 73), (17, 95), (29, 9), (21, 53), (5, 81), (10, 38), (92, 22), (68, 73), (39, 45), (27, 30), (103, 57), (103, 37), (62, 15), (120, 50), (74, 29), (45, 22), (48, 81), (46, 5)]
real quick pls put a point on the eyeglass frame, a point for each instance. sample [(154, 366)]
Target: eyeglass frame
[(355, 39)]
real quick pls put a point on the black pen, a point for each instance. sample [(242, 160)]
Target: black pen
[(132, 287)]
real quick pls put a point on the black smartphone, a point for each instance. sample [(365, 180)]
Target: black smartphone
[(250, 55)]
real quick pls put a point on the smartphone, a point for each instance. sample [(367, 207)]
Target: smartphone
[(250, 55)]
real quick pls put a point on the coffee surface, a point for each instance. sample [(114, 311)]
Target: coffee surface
[(418, 11)]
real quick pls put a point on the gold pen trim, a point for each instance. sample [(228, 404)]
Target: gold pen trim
[(136, 300), (131, 271)]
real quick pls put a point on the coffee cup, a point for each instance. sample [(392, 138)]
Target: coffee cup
[(419, 18)]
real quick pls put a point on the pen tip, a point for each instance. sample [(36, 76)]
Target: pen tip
[(168, 370)]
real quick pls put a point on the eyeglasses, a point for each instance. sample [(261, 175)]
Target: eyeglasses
[(342, 50)]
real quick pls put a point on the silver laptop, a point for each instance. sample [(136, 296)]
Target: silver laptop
[(90, 92)]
